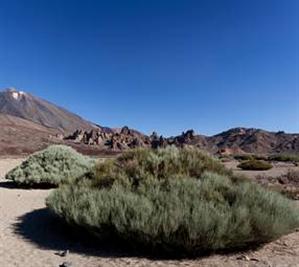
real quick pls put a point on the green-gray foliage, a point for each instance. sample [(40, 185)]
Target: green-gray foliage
[(190, 211), (145, 164), (243, 157), (52, 166), (255, 165), (181, 215)]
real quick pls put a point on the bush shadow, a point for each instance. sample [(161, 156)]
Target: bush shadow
[(13, 185), (47, 231)]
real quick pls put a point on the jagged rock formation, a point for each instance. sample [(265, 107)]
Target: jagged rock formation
[(118, 140), (234, 141)]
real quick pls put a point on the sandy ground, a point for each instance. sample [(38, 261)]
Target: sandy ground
[(278, 169), (31, 236)]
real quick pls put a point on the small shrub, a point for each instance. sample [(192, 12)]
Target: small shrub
[(51, 166), (255, 165), (287, 184), (171, 201), (293, 176), (285, 157), (243, 157)]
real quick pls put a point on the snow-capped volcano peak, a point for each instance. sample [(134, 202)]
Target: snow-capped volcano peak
[(15, 93)]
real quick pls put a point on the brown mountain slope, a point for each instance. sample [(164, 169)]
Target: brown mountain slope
[(250, 140), (28, 123), (19, 136), (26, 106), (22, 137)]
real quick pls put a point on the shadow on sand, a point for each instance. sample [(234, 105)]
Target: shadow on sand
[(47, 231), (13, 185), (8, 185)]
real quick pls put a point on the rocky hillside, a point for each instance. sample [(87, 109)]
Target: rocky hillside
[(252, 140), (26, 106), (28, 123), (233, 141)]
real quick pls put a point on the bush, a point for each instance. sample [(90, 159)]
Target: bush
[(293, 176), (173, 213), (285, 157), (51, 166), (255, 165), (144, 164), (244, 157)]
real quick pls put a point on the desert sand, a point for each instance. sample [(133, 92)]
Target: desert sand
[(30, 236)]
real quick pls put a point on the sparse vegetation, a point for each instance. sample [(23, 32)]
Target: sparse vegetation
[(293, 176), (51, 166), (285, 157), (173, 200), (244, 157), (255, 165), (287, 184)]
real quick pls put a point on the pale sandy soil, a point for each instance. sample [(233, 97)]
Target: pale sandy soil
[(278, 169), (30, 236)]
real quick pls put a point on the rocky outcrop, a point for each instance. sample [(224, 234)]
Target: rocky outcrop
[(234, 141), (124, 139)]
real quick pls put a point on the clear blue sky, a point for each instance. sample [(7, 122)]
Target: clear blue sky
[(162, 65)]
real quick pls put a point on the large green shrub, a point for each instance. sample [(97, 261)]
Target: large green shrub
[(52, 166), (144, 164), (191, 214), (181, 215), (255, 165)]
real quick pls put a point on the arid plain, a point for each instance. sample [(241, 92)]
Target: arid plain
[(31, 236)]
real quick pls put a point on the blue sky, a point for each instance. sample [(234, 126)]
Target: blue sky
[(161, 65)]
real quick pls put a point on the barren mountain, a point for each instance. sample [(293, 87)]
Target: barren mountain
[(32, 108), (20, 136), (28, 123), (250, 140)]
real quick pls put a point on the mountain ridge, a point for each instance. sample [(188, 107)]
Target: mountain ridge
[(32, 108), (29, 123)]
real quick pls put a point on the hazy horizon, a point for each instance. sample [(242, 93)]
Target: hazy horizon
[(164, 66)]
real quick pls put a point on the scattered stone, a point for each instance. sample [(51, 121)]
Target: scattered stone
[(63, 253), (66, 264), (243, 258), (283, 180)]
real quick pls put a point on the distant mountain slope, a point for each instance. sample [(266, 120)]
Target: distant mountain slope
[(26, 106), (258, 141), (28, 123), (20, 136)]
